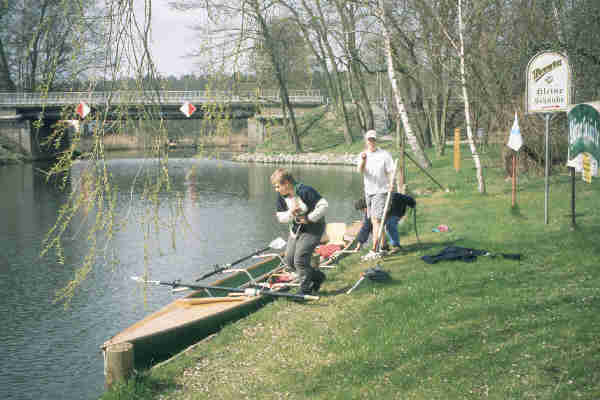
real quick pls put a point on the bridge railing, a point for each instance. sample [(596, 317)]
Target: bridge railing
[(154, 97)]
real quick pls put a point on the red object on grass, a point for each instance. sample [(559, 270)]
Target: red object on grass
[(327, 250)]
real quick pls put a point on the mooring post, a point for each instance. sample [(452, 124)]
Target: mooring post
[(118, 363)]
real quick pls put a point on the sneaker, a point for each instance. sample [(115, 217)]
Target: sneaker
[(319, 279), (303, 292), (395, 249), (371, 255)]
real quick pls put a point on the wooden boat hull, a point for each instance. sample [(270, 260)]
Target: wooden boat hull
[(185, 321)]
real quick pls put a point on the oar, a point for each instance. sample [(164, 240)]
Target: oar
[(385, 208), (245, 291), (276, 244)]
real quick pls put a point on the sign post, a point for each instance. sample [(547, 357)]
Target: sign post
[(515, 141), (548, 91)]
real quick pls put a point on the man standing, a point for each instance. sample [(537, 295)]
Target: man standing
[(376, 165), (303, 208)]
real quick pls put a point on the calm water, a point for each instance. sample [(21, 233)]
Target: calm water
[(49, 353)]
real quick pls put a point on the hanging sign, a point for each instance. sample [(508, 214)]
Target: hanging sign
[(82, 110), (584, 139), (187, 109), (548, 83)]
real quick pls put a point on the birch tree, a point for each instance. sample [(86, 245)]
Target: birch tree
[(408, 132), (460, 48)]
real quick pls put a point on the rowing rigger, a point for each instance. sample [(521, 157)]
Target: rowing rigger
[(250, 292)]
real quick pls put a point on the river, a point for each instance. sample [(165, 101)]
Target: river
[(49, 352)]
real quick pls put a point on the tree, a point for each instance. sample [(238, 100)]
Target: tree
[(408, 132), (292, 55), (463, 80), (6, 82), (238, 27), (316, 24), (49, 43)]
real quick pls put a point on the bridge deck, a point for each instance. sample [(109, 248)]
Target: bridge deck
[(17, 99)]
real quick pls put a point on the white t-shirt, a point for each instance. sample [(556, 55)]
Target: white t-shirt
[(375, 176)]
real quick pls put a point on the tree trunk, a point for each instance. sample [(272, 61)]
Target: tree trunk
[(463, 81), (6, 83), (285, 99), (410, 136), (336, 73)]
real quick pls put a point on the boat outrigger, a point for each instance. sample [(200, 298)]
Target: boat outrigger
[(203, 311), (208, 307)]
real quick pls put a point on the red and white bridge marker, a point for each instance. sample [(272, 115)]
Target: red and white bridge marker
[(82, 109), (187, 109)]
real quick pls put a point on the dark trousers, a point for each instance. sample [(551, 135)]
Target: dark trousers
[(298, 255)]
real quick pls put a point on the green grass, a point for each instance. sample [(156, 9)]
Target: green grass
[(324, 134), (495, 328)]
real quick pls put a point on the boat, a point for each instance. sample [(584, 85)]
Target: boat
[(203, 312), (189, 319)]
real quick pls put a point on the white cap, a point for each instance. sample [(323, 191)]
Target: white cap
[(371, 134)]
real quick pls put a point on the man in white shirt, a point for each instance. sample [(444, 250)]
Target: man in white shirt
[(376, 166)]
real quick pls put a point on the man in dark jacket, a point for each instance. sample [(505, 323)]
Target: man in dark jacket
[(398, 204), (303, 208)]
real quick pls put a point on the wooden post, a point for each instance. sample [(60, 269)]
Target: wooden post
[(573, 225), (118, 363), (514, 179), (457, 149)]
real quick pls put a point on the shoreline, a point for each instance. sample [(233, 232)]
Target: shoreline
[(303, 158), (346, 159)]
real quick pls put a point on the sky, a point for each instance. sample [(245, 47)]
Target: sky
[(171, 39)]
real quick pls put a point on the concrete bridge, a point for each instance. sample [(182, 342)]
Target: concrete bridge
[(28, 118)]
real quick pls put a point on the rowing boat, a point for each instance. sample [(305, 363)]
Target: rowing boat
[(191, 318)]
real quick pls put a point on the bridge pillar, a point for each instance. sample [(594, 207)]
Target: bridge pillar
[(256, 131), (16, 130)]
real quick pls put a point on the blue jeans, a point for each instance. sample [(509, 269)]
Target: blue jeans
[(391, 230)]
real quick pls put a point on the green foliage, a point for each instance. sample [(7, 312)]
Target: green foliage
[(140, 387), (321, 131), (495, 328)]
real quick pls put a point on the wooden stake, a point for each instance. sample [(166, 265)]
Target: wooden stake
[(118, 363), (573, 225), (514, 179), (457, 149)]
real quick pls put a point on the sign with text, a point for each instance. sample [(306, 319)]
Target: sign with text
[(584, 138), (548, 83), (587, 168)]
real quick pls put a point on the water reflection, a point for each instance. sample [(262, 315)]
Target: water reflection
[(223, 211)]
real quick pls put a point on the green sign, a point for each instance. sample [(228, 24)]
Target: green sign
[(584, 133)]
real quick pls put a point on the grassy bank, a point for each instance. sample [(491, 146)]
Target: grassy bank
[(494, 328)]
